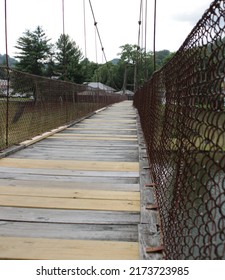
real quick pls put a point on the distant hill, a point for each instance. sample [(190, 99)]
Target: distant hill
[(12, 61), (115, 61)]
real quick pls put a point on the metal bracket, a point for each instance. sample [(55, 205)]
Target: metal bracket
[(154, 249), (152, 207), (151, 185), (146, 167)]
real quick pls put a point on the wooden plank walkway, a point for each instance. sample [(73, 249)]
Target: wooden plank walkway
[(75, 194)]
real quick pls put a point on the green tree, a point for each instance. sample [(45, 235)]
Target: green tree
[(88, 69), (137, 65), (68, 57), (34, 52)]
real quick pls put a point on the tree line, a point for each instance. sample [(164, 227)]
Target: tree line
[(64, 60)]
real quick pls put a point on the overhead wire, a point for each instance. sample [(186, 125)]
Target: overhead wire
[(100, 40), (142, 43), (85, 29), (145, 47), (139, 23), (63, 17), (7, 66), (154, 37), (136, 66), (97, 30), (6, 36)]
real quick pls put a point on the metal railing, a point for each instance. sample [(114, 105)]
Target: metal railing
[(31, 105), (182, 112)]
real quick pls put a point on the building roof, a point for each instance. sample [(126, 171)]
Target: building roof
[(127, 92), (98, 85)]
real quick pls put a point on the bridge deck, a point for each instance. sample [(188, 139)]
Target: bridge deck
[(75, 194)]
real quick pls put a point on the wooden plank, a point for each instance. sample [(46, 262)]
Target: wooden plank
[(73, 143), (76, 153), (78, 157), (69, 216), (70, 231), (69, 164), (43, 147), (73, 151), (66, 179), (67, 136), (106, 126), (73, 185), (68, 203), (95, 135), (106, 129), (108, 121), (68, 193), (57, 249), (74, 173)]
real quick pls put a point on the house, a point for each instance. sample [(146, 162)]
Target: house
[(3, 87), (128, 93), (98, 85)]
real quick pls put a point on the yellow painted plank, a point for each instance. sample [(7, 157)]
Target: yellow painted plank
[(70, 164), (69, 203), (68, 193), (95, 135), (60, 249)]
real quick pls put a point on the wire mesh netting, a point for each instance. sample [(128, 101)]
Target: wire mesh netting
[(182, 111), (31, 105)]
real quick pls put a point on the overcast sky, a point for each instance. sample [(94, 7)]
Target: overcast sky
[(117, 22)]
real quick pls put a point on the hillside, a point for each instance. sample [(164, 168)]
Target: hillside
[(12, 61)]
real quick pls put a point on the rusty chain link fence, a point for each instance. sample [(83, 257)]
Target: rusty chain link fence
[(31, 105), (182, 112)]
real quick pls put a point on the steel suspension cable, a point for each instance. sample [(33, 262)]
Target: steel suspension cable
[(6, 36), (85, 29), (145, 47), (63, 16), (154, 37), (139, 23), (7, 66), (100, 40), (99, 37), (138, 46)]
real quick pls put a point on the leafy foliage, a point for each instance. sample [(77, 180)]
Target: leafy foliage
[(132, 69)]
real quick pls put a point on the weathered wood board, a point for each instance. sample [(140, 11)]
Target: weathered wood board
[(85, 231), (62, 216)]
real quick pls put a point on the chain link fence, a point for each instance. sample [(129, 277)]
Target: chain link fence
[(31, 105), (182, 111)]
